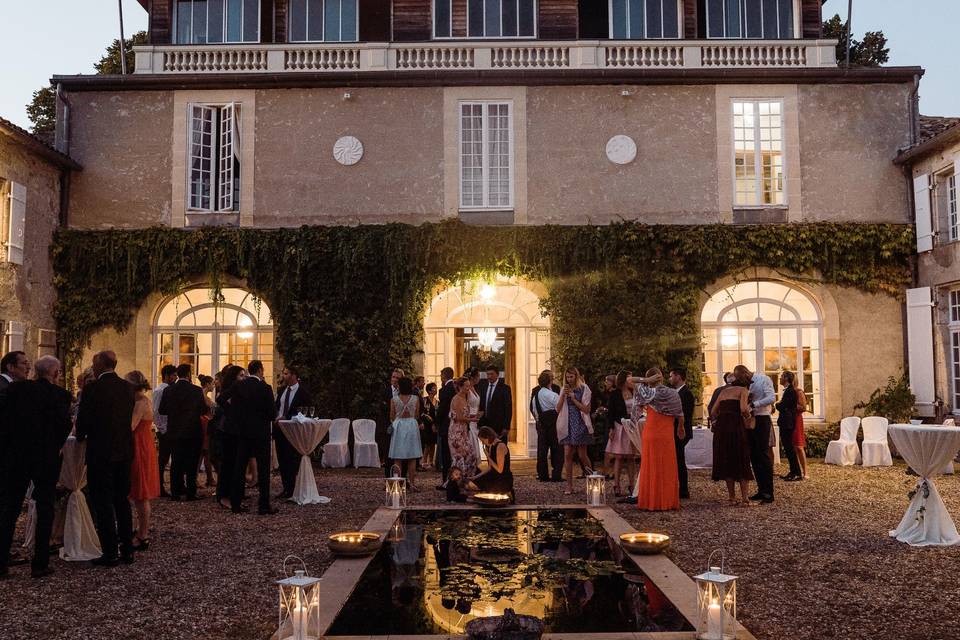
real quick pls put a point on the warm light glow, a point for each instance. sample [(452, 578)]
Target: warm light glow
[(487, 337), (487, 291), (729, 337), (492, 496), (244, 322)]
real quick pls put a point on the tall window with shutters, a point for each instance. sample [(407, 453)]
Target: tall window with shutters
[(954, 328), (486, 155), (13, 205), (214, 163)]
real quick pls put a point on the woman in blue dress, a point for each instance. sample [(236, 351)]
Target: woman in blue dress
[(574, 427), (404, 420)]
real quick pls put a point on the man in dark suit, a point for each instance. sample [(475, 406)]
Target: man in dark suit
[(445, 396), (37, 417), (254, 408), (168, 378), (678, 380), (290, 399), (105, 421), (14, 366), (382, 434), (496, 403), (183, 405)]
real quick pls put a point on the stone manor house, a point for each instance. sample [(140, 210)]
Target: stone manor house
[(281, 113)]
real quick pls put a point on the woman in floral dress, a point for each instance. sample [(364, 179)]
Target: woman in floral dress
[(462, 453), (574, 427)]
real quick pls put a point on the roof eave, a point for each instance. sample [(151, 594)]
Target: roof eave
[(930, 145), (39, 148)]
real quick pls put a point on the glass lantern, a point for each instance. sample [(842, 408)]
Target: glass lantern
[(299, 605), (396, 490), (716, 603), (596, 489)]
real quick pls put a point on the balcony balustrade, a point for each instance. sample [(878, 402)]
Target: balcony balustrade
[(485, 55)]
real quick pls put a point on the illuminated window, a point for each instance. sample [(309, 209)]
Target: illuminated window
[(758, 153)]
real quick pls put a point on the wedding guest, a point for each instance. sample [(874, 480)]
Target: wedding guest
[(659, 488), (497, 478), (763, 396), (463, 455), (543, 406), (104, 419), (799, 437), (678, 380), (730, 416), (473, 403), (619, 447), (253, 410), (787, 412), (14, 366), (144, 470), (168, 376), (454, 486), (85, 376), (428, 425), (496, 404), (35, 416), (405, 446), (290, 400), (229, 433), (383, 425), (445, 397), (574, 427), (215, 426), (728, 379), (183, 404), (601, 429), (206, 385)]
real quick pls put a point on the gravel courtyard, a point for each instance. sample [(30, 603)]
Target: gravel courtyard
[(816, 564)]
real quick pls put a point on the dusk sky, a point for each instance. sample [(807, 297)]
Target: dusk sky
[(46, 37)]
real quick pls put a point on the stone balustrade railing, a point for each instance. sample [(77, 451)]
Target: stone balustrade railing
[(484, 55)]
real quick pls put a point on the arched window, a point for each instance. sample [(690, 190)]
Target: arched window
[(209, 334), (767, 326)]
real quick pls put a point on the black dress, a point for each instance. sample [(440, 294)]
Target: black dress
[(428, 418), (731, 449), (494, 481)]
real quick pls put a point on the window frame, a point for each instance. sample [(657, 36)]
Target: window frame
[(433, 23), (757, 152), (308, 39), (176, 24), (217, 167), (794, 35), (485, 158), (953, 331), (679, 36)]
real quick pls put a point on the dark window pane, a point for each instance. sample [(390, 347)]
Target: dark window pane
[(251, 20), (315, 20), (526, 18), (732, 19), (654, 19), (215, 21), (770, 18), (509, 17), (635, 19), (234, 20), (671, 18), (619, 19), (491, 18), (754, 18), (348, 20), (183, 22), (298, 20), (715, 25), (786, 18), (475, 18), (331, 21), (199, 22), (441, 17)]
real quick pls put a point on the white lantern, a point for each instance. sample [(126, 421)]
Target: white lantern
[(596, 489), (716, 603), (299, 605), (396, 490)]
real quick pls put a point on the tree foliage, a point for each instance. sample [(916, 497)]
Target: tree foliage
[(872, 51), (42, 109), (348, 302)]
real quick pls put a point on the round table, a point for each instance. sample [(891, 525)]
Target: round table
[(927, 449), (305, 434), (699, 451)]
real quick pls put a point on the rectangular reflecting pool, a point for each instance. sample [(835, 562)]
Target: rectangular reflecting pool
[(438, 570)]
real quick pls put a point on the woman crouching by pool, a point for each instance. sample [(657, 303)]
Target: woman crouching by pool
[(497, 478)]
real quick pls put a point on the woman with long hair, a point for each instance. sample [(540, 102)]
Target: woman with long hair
[(574, 426), (144, 470), (405, 436), (231, 375), (730, 417), (787, 421), (498, 478), (428, 425), (206, 384), (799, 437), (463, 455), (659, 488), (619, 447)]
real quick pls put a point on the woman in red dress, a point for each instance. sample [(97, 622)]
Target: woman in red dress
[(799, 438), (145, 470), (659, 488)]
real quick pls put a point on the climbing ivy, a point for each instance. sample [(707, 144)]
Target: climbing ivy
[(348, 302)]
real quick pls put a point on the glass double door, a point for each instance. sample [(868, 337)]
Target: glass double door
[(209, 351), (483, 347)]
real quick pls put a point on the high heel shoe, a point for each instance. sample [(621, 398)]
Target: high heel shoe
[(143, 546)]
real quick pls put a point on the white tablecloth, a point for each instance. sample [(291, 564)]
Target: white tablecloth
[(305, 434), (927, 449), (80, 541), (699, 451)]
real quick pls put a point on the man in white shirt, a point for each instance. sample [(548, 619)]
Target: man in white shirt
[(168, 376), (762, 399), (543, 406)]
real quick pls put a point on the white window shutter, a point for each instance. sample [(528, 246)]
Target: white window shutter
[(921, 204), (17, 223), (14, 336), (920, 348), (225, 156)]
